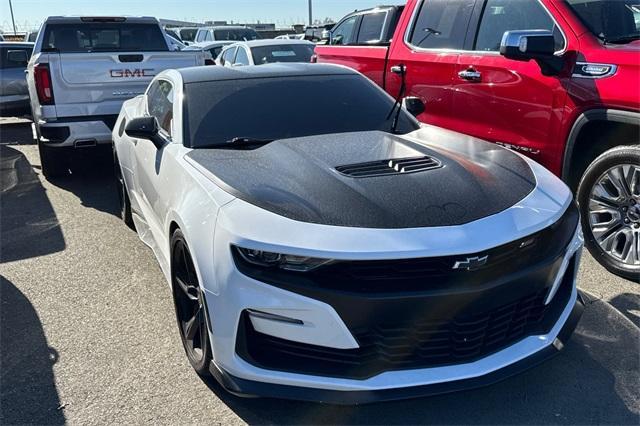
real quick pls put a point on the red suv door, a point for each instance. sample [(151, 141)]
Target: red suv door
[(508, 101), (429, 51)]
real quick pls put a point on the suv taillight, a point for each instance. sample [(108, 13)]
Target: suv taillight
[(43, 84)]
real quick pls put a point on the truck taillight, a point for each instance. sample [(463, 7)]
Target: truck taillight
[(43, 84)]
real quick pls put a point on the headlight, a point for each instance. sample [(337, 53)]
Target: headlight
[(287, 262)]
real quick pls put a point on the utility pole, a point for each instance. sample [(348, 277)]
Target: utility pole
[(14, 22), (310, 12)]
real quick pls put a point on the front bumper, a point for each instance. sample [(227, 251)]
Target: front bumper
[(329, 324), (244, 387)]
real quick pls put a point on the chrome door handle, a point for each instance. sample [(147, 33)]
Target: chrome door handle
[(470, 75)]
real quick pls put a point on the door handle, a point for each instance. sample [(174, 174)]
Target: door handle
[(470, 75), (399, 69)]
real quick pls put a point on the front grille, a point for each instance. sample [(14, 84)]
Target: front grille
[(419, 343), (428, 273), (389, 167)]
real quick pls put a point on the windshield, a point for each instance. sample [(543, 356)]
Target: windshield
[(613, 21), (286, 107), (104, 37), (241, 34), (188, 34), (282, 53)]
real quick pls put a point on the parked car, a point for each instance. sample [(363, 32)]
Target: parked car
[(176, 44), (290, 37), (346, 258), (260, 52), (557, 80), (225, 33), (1, 37), (318, 32), (187, 34), (82, 70), (31, 36), (14, 57), (213, 48)]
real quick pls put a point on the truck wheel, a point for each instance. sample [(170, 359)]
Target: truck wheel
[(609, 200), (53, 161)]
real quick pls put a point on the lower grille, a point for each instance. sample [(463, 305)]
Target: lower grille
[(388, 346)]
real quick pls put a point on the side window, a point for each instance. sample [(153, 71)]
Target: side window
[(343, 33), (227, 56), (441, 24), (199, 36), (160, 104), (241, 57), (507, 15), (371, 27), (208, 36)]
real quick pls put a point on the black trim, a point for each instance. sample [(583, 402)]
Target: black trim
[(57, 134), (611, 115), (249, 388)]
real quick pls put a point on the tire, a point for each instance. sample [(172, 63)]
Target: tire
[(609, 200), (123, 196), (54, 161), (191, 311)]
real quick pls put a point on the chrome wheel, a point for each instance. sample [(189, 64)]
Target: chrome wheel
[(614, 213)]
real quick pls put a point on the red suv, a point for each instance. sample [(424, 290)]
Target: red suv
[(557, 80)]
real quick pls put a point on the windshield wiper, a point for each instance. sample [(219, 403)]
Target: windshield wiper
[(238, 142), (621, 40)]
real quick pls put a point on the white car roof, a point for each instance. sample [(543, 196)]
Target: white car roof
[(273, 42)]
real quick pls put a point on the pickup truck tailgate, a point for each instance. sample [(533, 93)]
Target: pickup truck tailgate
[(98, 83)]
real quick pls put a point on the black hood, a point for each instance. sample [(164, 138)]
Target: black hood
[(464, 179)]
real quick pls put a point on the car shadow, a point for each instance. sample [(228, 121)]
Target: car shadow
[(629, 305), (28, 392), (92, 179), (593, 381), (28, 224)]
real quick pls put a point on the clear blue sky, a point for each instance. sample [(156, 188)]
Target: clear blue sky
[(282, 12)]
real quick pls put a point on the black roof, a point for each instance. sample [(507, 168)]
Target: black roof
[(217, 73)]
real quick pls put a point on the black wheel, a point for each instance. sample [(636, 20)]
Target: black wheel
[(54, 161), (609, 199), (190, 307), (123, 196)]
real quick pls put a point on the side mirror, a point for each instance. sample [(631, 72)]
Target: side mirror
[(145, 128), (538, 45), (414, 105)]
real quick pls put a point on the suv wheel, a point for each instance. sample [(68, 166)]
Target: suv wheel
[(609, 199), (191, 311), (54, 162)]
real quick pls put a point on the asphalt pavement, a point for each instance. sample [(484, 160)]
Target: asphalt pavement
[(88, 333)]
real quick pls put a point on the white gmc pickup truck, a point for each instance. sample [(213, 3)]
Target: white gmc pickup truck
[(83, 69)]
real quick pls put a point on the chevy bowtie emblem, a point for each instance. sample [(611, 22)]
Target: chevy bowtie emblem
[(471, 263)]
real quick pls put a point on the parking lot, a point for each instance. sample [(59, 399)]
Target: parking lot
[(88, 331)]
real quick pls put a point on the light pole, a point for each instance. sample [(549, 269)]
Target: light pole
[(13, 20), (310, 12)]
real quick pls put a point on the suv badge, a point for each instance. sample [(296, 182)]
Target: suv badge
[(471, 263)]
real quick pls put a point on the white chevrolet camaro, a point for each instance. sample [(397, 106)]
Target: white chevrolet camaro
[(345, 254)]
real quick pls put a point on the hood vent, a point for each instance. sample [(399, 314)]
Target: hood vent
[(390, 167)]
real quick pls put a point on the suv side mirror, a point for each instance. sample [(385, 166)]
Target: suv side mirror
[(145, 128), (538, 45), (414, 105)]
